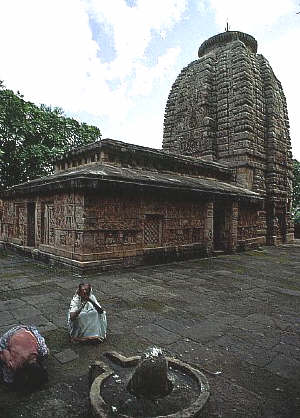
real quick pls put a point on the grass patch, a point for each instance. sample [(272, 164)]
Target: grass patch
[(257, 253), (128, 345), (13, 275), (238, 269), (151, 305), (292, 286), (281, 259)]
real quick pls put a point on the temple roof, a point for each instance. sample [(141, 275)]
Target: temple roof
[(226, 37), (98, 176), (158, 154)]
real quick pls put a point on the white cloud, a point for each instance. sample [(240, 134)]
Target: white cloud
[(145, 130), (48, 49), (146, 76), (48, 52), (202, 6), (286, 66), (133, 27), (248, 16)]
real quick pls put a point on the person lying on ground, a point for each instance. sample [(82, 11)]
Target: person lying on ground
[(86, 319), (22, 351)]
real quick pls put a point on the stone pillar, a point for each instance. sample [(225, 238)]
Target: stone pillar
[(233, 226), (38, 220), (271, 222), (209, 228)]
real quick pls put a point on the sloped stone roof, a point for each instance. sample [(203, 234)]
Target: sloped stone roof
[(165, 157), (97, 175)]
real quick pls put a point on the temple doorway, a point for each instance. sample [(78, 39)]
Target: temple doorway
[(219, 227)]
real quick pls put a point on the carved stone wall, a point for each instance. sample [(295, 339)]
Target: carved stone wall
[(251, 227), (126, 225), (60, 223), (14, 222), (53, 222), (229, 106), (109, 225)]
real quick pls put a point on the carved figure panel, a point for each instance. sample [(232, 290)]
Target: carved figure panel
[(49, 224), (20, 221), (248, 224)]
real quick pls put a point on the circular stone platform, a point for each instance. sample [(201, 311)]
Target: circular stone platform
[(109, 396)]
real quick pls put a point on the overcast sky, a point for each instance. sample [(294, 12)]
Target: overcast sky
[(111, 63)]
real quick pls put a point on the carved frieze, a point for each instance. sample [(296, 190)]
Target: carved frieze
[(248, 224)]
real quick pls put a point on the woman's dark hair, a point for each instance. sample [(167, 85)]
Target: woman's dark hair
[(83, 284), (30, 377)]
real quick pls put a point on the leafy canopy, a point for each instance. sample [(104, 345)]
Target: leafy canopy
[(32, 136)]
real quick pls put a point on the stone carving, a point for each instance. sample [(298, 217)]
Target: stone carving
[(248, 225), (222, 180), (241, 117)]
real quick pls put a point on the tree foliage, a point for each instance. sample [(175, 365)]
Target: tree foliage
[(296, 191), (32, 136)]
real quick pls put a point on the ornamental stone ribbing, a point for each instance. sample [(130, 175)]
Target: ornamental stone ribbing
[(229, 107)]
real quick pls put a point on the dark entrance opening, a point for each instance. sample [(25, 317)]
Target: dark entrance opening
[(219, 228), (31, 224)]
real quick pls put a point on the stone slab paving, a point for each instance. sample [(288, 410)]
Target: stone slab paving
[(6, 317), (235, 314), (66, 356), (156, 335), (11, 304)]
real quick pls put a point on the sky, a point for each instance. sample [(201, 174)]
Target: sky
[(112, 63)]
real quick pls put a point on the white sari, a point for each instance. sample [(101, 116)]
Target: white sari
[(89, 324)]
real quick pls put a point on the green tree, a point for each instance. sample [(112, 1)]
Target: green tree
[(296, 191), (32, 137)]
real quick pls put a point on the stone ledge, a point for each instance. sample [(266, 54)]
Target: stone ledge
[(160, 255), (226, 37)]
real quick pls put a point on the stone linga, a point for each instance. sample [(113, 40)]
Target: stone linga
[(150, 378), (148, 386)]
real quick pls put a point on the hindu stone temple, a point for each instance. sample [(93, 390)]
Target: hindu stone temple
[(229, 107), (222, 181)]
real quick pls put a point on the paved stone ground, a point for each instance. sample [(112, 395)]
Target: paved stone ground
[(238, 314)]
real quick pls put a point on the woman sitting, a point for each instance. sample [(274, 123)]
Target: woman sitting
[(22, 350), (86, 318)]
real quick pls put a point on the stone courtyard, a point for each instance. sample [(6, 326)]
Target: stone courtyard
[(238, 314)]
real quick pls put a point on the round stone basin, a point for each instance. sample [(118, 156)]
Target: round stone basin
[(110, 398)]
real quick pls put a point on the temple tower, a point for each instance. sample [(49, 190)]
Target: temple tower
[(229, 107)]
